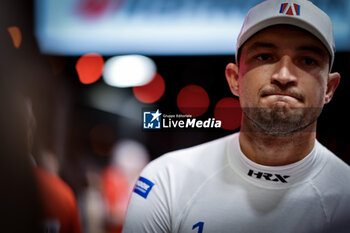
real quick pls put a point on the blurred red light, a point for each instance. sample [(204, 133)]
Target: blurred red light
[(152, 91), (98, 8), (93, 7), (89, 68), (193, 100), (229, 111)]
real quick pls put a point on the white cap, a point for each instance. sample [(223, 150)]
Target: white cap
[(301, 13)]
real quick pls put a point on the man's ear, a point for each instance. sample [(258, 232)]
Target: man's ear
[(333, 82), (232, 78)]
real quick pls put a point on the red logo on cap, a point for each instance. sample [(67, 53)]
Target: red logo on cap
[(290, 9)]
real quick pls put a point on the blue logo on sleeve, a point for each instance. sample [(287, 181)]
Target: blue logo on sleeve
[(143, 187)]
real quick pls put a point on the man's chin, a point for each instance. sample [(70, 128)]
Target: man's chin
[(281, 121)]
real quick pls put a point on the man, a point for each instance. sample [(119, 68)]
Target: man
[(273, 176)]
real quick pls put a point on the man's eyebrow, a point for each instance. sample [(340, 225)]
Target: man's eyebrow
[(257, 45), (311, 48)]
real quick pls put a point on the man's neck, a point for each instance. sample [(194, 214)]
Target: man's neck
[(275, 150)]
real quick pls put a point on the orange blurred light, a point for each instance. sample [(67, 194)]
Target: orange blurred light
[(229, 111), (89, 68), (16, 36), (152, 91), (193, 100)]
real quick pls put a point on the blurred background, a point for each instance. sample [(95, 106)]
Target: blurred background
[(89, 69)]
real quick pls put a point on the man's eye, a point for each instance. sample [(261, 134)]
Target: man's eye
[(263, 57), (309, 61)]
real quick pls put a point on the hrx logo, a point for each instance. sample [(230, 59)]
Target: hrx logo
[(290, 9), (268, 176)]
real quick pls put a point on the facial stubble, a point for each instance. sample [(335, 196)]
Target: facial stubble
[(280, 121)]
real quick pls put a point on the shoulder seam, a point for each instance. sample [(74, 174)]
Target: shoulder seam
[(322, 204)]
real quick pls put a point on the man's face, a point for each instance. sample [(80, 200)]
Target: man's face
[(283, 79)]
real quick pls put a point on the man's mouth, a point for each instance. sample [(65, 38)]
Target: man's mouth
[(281, 95)]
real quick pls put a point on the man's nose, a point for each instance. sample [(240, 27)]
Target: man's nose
[(284, 75)]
